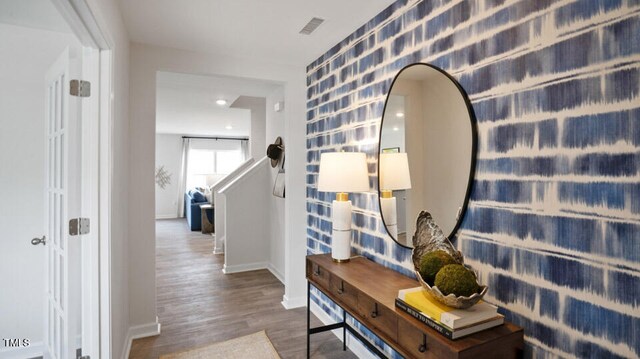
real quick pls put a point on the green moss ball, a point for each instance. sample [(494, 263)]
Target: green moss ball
[(456, 279), (432, 262)]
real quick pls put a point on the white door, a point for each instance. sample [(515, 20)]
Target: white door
[(62, 293)]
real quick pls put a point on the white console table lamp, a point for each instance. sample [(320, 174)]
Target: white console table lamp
[(342, 172)]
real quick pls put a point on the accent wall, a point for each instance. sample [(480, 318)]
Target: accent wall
[(553, 224)]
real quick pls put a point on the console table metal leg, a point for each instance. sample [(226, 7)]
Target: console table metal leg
[(324, 328), (308, 320), (344, 330)]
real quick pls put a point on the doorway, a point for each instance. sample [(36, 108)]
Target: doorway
[(49, 182)]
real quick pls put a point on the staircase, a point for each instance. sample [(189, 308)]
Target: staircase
[(247, 215), (220, 205)]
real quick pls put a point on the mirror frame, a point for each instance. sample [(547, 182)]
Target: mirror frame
[(474, 148)]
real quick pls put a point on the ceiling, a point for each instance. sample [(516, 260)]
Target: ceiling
[(39, 14), (264, 30), (186, 104)]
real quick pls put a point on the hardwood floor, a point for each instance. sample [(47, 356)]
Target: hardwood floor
[(198, 305)]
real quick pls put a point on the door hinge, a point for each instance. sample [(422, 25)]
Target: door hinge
[(78, 226), (80, 88)]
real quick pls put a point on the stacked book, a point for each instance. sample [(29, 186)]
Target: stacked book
[(451, 322)]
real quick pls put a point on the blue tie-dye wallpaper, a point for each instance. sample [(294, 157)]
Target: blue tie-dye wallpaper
[(553, 224)]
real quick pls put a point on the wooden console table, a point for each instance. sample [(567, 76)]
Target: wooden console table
[(367, 292)]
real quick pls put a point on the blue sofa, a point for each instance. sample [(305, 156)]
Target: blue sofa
[(192, 201)]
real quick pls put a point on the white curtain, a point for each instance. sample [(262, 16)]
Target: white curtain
[(182, 181), (244, 148)]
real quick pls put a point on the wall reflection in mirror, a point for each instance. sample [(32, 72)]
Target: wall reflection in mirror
[(427, 152)]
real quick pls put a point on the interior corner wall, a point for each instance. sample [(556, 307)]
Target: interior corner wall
[(275, 128), (109, 19), (146, 60), (257, 137), (553, 224), (168, 156), (295, 291)]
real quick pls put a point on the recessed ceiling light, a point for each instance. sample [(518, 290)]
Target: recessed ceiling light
[(395, 128), (221, 102), (399, 114), (228, 127)]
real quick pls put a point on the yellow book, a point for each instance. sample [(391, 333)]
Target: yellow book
[(453, 318)]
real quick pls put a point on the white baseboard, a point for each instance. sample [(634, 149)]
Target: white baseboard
[(140, 331), (33, 350), (217, 250), (276, 273), (237, 268), (354, 345), (291, 303), (166, 216)]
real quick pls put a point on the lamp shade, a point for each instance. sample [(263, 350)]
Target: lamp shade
[(394, 171), (343, 172)]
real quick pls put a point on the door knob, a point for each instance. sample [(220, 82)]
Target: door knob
[(37, 241)]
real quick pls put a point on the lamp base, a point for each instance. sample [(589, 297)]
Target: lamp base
[(341, 260), (392, 229), (390, 215), (341, 230), (341, 245)]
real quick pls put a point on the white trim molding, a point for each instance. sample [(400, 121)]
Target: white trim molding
[(276, 273), (239, 268), (226, 269), (167, 216), (140, 331), (218, 247), (291, 303)]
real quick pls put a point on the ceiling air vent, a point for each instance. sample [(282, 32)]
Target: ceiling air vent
[(311, 26)]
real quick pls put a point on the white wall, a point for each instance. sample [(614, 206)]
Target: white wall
[(219, 203), (26, 56), (414, 146), (169, 155), (246, 246), (295, 132), (145, 62), (108, 16), (257, 141), (446, 122), (275, 128)]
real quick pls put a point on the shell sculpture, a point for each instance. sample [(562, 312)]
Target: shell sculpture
[(429, 237)]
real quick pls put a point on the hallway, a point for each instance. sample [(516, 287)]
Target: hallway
[(198, 305)]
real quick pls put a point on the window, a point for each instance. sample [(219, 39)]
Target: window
[(207, 166), (227, 161)]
